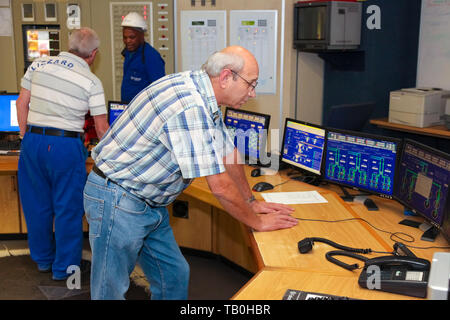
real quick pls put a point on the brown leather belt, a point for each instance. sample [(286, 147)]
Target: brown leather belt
[(101, 174), (53, 132)]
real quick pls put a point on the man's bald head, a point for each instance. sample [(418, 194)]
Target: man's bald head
[(234, 74), (235, 58), (249, 58)]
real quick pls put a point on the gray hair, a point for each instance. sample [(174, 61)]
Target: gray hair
[(83, 41), (220, 60)]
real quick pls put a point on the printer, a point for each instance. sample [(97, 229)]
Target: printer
[(438, 287), (417, 107)]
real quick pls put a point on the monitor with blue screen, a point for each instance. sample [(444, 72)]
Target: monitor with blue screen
[(249, 131), (361, 161), (8, 113), (423, 181), (303, 145), (115, 108)]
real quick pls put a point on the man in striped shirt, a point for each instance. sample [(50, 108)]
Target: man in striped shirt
[(56, 94), (171, 133)]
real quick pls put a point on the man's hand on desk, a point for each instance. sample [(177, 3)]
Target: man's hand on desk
[(268, 207), (275, 221), (275, 215)]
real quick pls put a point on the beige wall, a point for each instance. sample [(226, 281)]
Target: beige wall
[(299, 76)]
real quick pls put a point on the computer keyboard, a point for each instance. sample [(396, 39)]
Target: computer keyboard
[(9, 144), (291, 294)]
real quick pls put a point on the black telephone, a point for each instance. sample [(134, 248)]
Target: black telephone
[(397, 274)]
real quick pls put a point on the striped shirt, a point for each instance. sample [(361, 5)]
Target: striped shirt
[(63, 89), (169, 134)]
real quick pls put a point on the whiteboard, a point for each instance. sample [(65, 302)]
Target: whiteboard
[(433, 65)]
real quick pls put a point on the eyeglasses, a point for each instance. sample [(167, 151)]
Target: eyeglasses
[(250, 84)]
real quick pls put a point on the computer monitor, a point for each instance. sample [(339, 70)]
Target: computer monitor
[(361, 161), (8, 113), (40, 41), (115, 108), (423, 178), (249, 131), (303, 145)]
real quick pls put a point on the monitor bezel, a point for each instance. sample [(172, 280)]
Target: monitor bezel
[(311, 5), (292, 166), (13, 131), (404, 203), (109, 108), (399, 143), (263, 141)]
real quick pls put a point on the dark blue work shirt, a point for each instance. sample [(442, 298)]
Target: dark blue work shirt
[(140, 68)]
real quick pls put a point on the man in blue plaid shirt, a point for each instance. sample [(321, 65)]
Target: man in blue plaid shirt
[(170, 133)]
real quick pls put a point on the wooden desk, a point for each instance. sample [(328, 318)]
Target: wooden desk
[(279, 248), (435, 131), (9, 164), (271, 284), (282, 267), (11, 213)]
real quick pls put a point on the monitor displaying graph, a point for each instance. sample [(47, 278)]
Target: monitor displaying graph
[(423, 181), (361, 161), (249, 131), (303, 145)]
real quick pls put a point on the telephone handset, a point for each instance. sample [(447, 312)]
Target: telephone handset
[(412, 263), (397, 274)]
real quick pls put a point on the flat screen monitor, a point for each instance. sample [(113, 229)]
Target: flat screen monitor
[(423, 178), (303, 145), (115, 108), (361, 161), (8, 113), (249, 131), (40, 41)]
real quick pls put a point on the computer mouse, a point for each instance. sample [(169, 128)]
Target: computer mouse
[(256, 172), (262, 186)]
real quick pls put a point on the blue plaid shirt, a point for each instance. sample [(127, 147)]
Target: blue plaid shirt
[(169, 134)]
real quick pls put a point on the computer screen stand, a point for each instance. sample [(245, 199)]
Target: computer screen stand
[(368, 203), (347, 197), (312, 180), (430, 233)]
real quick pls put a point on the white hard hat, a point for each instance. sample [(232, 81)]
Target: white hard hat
[(134, 20)]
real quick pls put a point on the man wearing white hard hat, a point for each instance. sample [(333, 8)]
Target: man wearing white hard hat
[(142, 64)]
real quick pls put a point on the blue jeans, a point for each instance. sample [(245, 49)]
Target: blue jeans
[(124, 230)]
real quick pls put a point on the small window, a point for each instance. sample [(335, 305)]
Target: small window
[(27, 12), (50, 12)]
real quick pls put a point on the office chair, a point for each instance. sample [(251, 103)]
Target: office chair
[(349, 116)]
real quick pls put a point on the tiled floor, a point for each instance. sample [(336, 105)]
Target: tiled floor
[(211, 278)]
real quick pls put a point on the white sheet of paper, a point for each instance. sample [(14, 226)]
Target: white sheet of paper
[(300, 197)]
